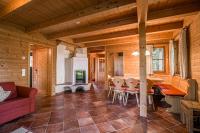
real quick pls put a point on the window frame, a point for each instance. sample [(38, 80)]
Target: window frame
[(165, 62)]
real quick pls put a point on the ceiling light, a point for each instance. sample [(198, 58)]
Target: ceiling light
[(147, 52), (78, 22), (136, 53)]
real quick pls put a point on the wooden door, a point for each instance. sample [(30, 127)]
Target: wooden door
[(101, 70), (40, 70)]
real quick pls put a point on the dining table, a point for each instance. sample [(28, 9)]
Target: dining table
[(154, 79)]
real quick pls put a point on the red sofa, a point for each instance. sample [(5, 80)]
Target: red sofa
[(20, 102)]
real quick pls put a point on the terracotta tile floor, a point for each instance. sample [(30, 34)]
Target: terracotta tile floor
[(93, 112)]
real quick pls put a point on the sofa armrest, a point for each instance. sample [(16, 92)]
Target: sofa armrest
[(26, 91)]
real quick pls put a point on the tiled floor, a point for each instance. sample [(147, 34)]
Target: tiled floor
[(93, 112)]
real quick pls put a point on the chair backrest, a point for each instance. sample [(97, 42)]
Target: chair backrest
[(110, 82), (149, 85), (190, 86), (132, 83), (118, 82)]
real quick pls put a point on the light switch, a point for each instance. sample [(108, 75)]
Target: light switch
[(23, 72)]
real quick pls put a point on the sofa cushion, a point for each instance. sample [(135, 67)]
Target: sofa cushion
[(9, 86), (4, 94), (14, 103)]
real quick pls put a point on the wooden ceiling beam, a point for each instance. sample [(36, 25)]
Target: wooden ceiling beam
[(107, 36), (132, 32), (12, 6), (179, 11), (108, 25), (106, 7), (166, 15), (96, 49), (149, 42), (134, 39)]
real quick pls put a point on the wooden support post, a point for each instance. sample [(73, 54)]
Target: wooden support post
[(143, 81), (142, 10)]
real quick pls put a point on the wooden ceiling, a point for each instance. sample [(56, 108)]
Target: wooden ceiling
[(98, 22)]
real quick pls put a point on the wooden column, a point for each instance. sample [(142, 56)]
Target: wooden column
[(143, 81), (142, 9)]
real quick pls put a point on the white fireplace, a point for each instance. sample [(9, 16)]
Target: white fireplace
[(76, 70), (71, 71)]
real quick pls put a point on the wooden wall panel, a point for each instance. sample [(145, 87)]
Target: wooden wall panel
[(194, 32), (11, 62), (131, 63)]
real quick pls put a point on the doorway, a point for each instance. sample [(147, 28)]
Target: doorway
[(97, 67), (40, 66), (101, 70)]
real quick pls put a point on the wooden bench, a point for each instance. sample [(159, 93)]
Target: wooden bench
[(190, 115), (177, 89)]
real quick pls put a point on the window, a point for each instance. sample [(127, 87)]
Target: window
[(158, 62)]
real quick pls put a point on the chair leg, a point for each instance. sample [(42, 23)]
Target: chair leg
[(152, 102), (109, 91), (114, 96), (183, 117), (150, 99), (137, 99), (125, 99)]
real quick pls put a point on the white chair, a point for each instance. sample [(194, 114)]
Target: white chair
[(132, 89), (118, 90)]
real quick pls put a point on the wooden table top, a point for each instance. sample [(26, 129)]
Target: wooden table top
[(167, 89), (154, 79)]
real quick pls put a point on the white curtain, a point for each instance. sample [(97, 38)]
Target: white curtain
[(172, 57), (149, 48), (183, 54)]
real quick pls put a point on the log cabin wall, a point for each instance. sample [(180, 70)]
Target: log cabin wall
[(14, 55), (131, 63), (11, 62), (194, 33)]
